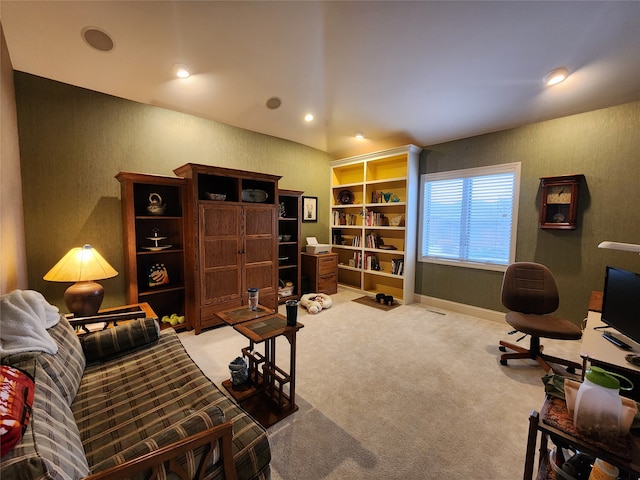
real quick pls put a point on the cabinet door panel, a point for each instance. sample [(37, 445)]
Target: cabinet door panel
[(221, 286), (260, 221), (220, 221), (259, 275), (258, 250), (220, 252), (220, 247)]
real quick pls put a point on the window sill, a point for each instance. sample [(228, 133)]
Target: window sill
[(465, 264)]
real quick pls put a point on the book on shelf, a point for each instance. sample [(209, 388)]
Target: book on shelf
[(343, 218), (356, 260), (374, 219), (371, 262), (397, 266), (372, 241)]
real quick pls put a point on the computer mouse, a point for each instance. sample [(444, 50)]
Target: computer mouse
[(633, 358)]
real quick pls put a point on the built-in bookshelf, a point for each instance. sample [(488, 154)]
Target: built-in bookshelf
[(374, 221)]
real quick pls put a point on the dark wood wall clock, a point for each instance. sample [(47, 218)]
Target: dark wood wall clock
[(559, 202)]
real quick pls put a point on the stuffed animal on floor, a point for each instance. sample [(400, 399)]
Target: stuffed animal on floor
[(314, 302)]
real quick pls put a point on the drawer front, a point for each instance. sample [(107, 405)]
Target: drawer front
[(327, 265), (328, 284)]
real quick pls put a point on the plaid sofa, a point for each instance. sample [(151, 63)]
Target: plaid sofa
[(117, 395)]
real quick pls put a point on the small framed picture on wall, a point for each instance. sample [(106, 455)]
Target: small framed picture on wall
[(309, 209)]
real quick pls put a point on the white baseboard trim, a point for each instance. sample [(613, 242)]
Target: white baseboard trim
[(462, 308)]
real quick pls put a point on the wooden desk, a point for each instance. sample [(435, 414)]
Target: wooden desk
[(594, 348), (595, 301)]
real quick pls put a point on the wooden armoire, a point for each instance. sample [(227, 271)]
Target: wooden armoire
[(232, 240)]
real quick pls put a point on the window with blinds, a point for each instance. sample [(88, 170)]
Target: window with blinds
[(469, 217)]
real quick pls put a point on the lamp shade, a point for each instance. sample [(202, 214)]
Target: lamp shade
[(83, 266), (79, 265)]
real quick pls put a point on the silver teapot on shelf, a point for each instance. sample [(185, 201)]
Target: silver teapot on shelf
[(156, 207)]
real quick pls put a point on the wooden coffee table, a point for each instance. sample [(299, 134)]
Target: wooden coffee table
[(263, 396)]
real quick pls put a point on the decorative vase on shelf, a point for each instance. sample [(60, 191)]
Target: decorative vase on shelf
[(156, 207)]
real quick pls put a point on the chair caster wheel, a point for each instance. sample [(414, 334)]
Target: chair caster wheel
[(502, 348), (503, 362)]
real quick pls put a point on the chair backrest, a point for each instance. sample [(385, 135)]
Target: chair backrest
[(529, 288)]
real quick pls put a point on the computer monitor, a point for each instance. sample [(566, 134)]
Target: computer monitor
[(621, 302)]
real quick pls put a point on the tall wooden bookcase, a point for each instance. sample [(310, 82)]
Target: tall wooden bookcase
[(374, 203), (232, 241), (154, 243), (289, 217)]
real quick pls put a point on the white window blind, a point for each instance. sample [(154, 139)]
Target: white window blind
[(469, 217)]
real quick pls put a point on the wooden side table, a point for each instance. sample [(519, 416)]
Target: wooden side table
[(109, 317), (554, 422), (264, 397), (235, 315)]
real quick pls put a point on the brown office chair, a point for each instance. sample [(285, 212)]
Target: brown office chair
[(529, 291)]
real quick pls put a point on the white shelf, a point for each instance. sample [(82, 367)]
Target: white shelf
[(348, 205), (387, 180), (396, 171)]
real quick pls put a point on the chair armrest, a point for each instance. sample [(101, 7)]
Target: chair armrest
[(167, 455)]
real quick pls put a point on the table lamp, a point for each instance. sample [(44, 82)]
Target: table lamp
[(83, 266)]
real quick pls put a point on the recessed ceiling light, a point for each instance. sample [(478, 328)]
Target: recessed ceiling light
[(273, 103), (359, 135), (308, 117), (181, 70), (98, 39), (556, 76)]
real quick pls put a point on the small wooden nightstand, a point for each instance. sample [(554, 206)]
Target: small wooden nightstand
[(322, 271)]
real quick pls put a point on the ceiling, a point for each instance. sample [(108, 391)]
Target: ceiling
[(420, 72)]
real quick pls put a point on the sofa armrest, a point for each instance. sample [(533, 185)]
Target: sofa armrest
[(166, 456)]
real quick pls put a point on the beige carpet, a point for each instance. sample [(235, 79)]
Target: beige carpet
[(405, 394)]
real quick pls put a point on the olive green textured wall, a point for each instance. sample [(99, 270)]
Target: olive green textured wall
[(13, 263), (603, 145), (74, 141)]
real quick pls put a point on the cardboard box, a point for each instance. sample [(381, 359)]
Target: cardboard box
[(316, 248)]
